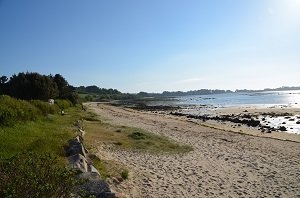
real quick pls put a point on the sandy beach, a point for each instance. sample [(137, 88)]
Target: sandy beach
[(222, 164)]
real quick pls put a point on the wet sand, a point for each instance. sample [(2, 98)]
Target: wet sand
[(222, 164)]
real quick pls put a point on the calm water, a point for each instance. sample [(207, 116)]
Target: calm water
[(270, 98)]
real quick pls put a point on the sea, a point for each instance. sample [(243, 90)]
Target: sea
[(258, 99), (264, 99)]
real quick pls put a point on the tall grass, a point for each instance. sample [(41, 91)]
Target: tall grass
[(25, 126), (45, 135), (15, 110), (45, 107)]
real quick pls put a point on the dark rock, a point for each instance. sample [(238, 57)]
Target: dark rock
[(282, 128), (98, 189), (89, 176), (75, 148)]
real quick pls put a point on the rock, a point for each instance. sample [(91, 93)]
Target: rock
[(98, 189), (75, 148), (92, 169), (282, 128), (90, 176), (78, 162), (81, 132), (298, 122)]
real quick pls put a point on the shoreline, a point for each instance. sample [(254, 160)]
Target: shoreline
[(222, 164), (263, 115), (273, 122)]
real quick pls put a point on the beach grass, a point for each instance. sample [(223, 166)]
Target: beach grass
[(129, 138), (45, 135)]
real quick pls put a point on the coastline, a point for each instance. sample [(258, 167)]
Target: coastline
[(256, 113), (222, 164)]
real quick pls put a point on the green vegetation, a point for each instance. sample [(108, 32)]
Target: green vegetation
[(45, 107), (124, 174), (45, 135), (94, 93), (129, 138), (34, 126), (35, 175), (63, 104), (15, 110), (32, 158), (34, 86)]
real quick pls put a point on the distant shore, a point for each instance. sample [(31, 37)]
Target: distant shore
[(222, 164)]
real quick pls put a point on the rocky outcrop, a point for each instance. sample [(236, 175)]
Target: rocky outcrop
[(79, 161)]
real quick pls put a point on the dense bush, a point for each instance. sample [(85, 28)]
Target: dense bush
[(35, 175), (13, 110)]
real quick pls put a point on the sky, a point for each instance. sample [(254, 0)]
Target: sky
[(154, 45)]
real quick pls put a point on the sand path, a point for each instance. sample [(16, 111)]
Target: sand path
[(222, 164)]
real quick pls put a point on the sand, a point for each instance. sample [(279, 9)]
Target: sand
[(222, 164)]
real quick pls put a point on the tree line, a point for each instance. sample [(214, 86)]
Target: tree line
[(95, 93), (35, 86)]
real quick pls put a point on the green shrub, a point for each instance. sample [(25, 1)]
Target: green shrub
[(124, 174), (137, 135), (63, 104), (13, 110), (35, 175), (45, 107)]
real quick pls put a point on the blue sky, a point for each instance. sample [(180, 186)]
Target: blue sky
[(154, 45)]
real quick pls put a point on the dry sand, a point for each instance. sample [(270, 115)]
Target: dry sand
[(222, 164)]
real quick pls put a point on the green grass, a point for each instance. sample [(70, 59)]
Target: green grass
[(48, 134), (109, 168), (129, 138)]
